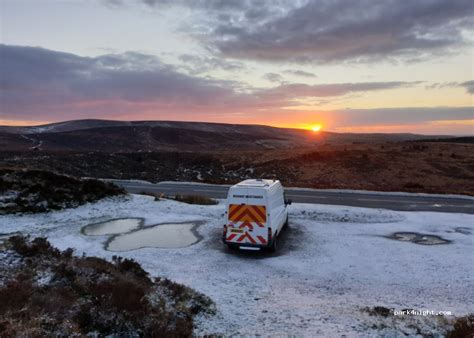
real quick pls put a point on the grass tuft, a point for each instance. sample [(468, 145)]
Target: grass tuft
[(195, 199)]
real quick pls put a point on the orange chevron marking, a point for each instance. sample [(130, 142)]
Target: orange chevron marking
[(247, 213), (246, 224)]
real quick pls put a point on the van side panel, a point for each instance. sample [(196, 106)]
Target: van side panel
[(276, 208)]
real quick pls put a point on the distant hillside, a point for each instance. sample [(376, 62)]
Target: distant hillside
[(462, 139), (138, 136)]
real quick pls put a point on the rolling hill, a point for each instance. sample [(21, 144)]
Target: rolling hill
[(146, 136)]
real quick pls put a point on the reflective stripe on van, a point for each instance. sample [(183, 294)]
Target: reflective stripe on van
[(251, 239), (248, 213)]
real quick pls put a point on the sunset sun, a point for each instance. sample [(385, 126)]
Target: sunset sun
[(316, 128)]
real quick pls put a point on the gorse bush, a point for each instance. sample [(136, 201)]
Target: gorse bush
[(54, 293), (463, 327), (39, 191)]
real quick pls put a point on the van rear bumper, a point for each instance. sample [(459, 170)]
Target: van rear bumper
[(250, 245)]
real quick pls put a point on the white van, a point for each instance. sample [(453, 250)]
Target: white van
[(256, 212)]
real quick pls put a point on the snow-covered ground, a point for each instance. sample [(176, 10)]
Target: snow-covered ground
[(332, 262)]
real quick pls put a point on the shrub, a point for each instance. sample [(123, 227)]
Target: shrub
[(128, 296), (15, 295), (5, 185), (39, 246), (463, 327), (90, 296), (129, 265), (413, 185), (39, 191), (378, 311)]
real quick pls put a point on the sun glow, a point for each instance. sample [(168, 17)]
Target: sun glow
[(316, 128)]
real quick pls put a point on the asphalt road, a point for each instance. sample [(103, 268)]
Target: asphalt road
[(408, 202)]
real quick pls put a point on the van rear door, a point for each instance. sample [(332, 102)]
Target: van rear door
[(247, 217)]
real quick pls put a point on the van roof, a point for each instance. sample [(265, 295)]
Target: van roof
[(258, 183)]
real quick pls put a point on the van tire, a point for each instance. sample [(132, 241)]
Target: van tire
[(232, 246), (285, 225), (273, 248)]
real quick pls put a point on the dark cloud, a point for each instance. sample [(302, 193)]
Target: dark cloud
[(248, 9), (41, 83), (299, 90), (332, 31), (37, 79), (441, 85), (273, 77), (469, 85), (403, 115), (196, 64), (329, 30), (300, 73)]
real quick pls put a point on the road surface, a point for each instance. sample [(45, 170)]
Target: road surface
[(392, 201)]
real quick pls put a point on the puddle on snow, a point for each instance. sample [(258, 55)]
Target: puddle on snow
[(113, 227), (176, 235), (405, 236), (463, 230), (418, 238)]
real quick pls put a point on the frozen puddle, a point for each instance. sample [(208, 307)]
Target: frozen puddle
[(159, 236), (418, 238), (113, 227), (129, 234)]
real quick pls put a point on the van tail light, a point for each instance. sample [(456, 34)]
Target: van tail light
[(269, 235)]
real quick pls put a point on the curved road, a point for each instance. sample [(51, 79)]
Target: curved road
[(392, 201)]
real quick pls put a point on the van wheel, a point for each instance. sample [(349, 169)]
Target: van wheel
[(273, 248), (232, 246), (286, 222)]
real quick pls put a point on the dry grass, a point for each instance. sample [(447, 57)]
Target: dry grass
[(195, 199), (156, 195), (430, 167), (402, 166)]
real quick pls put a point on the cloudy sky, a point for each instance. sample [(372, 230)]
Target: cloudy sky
[(357, 66)]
